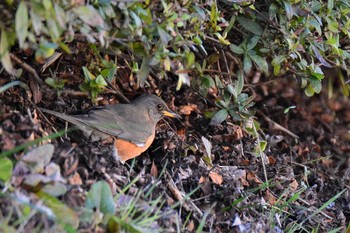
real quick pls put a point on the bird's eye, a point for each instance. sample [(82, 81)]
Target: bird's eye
[(159, 107)]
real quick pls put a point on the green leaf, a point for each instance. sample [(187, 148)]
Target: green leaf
[(213, 16), (316, 84), (250, 25), (309, 91), (65, 48), (252, 42), (276, 69), (64, 215), (143, 73), (230, 25), (100, 81), (54, 30), (332, 25), (317, 72), (234, 115), (47, 4), (100, 197), (88, 76), (111, 73), (278, 59), (320, 57), (5, 55), (289, 10), (272, 11), (6, 168), (260, 147), (197, 40), (239, 83), (219, 117), (164, 36), (89, 15), (222, 39), (190, 59), (316, 24), (236, 49), (330, 4), (208, 81), (260, 62), (22, 23), (288, 109), (247, 64), (232, 90)]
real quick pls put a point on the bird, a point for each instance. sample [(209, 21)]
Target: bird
[(132, 126)]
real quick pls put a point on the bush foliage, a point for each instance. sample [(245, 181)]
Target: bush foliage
[(278, 38)]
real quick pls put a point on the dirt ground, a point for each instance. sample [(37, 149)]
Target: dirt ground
[(220, 177)]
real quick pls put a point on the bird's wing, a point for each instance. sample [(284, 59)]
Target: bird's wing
[(118, 125)]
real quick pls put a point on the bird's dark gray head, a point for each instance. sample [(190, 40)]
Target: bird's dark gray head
[(156, 107)]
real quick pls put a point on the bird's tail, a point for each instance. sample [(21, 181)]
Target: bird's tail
[(63, 116)]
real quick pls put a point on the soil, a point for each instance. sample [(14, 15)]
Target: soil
[(214, 170)]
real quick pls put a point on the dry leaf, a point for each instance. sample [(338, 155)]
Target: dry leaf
[(272, 160), (190, 226), (75, 179), (154, 170), (294, 185), (185, 173), (202, 180), (187, 109), (216, 178), (270, 198), (252, 177)]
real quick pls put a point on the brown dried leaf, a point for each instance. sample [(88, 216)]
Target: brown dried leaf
[(190, 226), (154, 170), (203, 180), (252, 177), (188, 109), (216, 177), (34, 87), (272, 160), (270, 198), (294, 185), (75, 179)]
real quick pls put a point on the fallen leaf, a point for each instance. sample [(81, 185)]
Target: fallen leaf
[(294, 185), (190, 226), (185, 173), (34, 87), (75, 179), (202, 180), (38, 157), (188, 109), (55, 189), (272, 160), (270, 198), (207, 145), (252, 177), (216, 177), (53, 171), (154, 170)]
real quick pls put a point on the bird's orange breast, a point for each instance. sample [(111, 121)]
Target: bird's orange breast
[(128, 150)]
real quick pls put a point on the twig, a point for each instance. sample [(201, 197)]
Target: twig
[(225, 61), (28, 68), (277, 126), (262, 156), (179, 196)]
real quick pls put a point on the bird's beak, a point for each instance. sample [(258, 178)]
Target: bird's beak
[(171, 114)]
